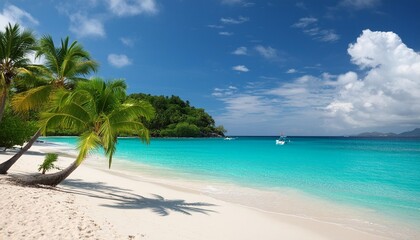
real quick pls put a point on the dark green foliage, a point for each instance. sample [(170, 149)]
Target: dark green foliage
[(176, 118), (14, 130), (48, 163), (182, 129)]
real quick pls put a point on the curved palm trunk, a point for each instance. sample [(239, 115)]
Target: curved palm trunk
[(51, 179), (4, 167), (3, 102)]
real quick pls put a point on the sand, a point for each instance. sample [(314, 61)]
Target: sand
[(98, 203)]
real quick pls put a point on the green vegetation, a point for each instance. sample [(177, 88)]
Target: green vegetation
[(15, 45), (35, 85), (176, 118), (15, 130), (48, 163), (59, 99), (101, 112)]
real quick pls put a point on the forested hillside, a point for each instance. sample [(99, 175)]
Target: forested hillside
[(177, 118)]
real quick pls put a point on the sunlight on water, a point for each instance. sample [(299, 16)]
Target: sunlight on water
[(380, 174)]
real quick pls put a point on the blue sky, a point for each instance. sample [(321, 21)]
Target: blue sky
[(258, 67)]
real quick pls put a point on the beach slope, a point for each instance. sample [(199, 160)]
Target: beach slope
[(98, 203)]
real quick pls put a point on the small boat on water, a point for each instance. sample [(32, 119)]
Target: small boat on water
[(282, 140), (229, 138)]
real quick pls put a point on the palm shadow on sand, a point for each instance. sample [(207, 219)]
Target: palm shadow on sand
[(125, 199)]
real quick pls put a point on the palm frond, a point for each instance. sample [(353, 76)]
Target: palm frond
[(133, 110), (133, 127), (88, 141), (31, 99)]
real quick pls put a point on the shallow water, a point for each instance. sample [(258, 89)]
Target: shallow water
[(382, 175)]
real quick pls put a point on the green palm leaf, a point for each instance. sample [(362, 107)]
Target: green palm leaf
[(96, 108)]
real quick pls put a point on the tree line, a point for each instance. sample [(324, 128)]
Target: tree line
[(177, 118)]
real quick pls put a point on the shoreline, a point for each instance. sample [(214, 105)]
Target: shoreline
[(291, 202), (103, 205)]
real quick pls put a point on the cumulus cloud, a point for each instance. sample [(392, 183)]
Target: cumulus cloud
[(385, 95), (240, 68), (309, 26), (266, 52), (291, 70), (83, 26), (132, 7), (119, 60), (12, 14), (389, 93), (240, 51)]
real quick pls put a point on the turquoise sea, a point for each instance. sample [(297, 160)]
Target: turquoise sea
[(378, 174)]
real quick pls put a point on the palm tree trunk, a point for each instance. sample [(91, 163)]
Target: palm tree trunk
[(51, 179), (4, 167), (3, 100)]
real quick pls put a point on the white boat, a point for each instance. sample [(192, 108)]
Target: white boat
[(229, 138), (282, 140)]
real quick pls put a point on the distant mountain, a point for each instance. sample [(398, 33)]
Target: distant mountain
[(413, 133), (376, 134)]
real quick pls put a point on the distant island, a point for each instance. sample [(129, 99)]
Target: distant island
[(177, 118), (413, 133)]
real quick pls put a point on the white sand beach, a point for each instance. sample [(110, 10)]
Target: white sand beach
[(98, 203)]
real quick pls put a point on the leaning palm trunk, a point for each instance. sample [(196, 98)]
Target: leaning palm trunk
[(52, 179), (3, 99), (4, 167)]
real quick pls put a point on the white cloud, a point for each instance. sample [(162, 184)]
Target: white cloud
[(385, 96), (12, 14), (224, 92), (127, 41), (247, 111), (234, 21), (240, 51), (240, 68), (304, 22), (226, 33), (83, 26), (119, 60), (268, 78), (39, 60), (132, 7), (309, 26), (266, 52), (308, 92), (291, 70), (389, 93), (215, 26)]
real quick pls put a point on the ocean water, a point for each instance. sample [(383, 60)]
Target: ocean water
[(378, 174)]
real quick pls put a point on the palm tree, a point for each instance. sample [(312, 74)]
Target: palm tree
[(15, 45), (101, 112), (64, 66)]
